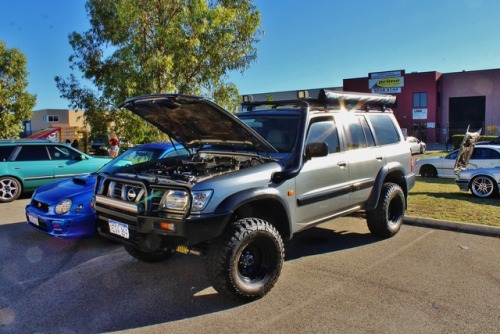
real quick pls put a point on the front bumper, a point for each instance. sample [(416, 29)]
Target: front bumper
[(67, 226), (190, 231), (462, 184)]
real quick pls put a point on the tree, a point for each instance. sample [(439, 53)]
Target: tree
[(137, 47), (16, 104)]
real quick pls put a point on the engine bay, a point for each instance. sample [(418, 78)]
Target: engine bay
[(198, 167)]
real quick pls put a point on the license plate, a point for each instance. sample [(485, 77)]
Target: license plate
[(33, 220), (118, 228)]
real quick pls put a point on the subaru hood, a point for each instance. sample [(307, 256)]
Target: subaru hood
[(195, 121)]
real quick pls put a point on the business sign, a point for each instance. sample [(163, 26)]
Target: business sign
[(420, 113), (388, 74), (386, 82), (392, 90)]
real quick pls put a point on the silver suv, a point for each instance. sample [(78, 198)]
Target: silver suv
[(255, 180)]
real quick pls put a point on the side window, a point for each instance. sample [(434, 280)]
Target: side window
[(355, 133), (324, 132), (61, 153), (385, 130), (5, 152), (484, 153), (32, 153)]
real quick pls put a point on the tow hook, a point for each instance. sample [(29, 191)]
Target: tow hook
[(186, 250)]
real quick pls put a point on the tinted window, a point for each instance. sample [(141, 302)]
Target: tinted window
[(357, 133), (385, 131), (5, 152), (324, 132), (484, 153), (32, 153)]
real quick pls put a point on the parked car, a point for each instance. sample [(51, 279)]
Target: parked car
[(482, 182), (256, 179), (495, 141), (416, 145), (28, 164), (483, 156), (64, 209)]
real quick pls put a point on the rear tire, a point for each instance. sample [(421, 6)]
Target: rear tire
[(245, 262), (10, 189), (483, 186), (150, 257), (386, 219)]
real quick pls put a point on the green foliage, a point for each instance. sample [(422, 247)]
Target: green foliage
[(16, 104), (137, 47)]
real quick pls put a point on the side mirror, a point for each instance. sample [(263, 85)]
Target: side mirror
[(314, 150)]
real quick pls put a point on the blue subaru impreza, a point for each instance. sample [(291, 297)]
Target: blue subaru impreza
[(65, 209)]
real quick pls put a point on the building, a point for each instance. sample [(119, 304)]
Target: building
[(432, 106), (69, 125)]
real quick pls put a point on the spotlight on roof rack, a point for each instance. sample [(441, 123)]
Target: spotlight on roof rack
[(247, 98), (302, 94)]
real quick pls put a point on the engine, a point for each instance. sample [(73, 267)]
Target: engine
[(200, 166)]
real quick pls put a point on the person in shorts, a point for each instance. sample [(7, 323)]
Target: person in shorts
[(114, 148)]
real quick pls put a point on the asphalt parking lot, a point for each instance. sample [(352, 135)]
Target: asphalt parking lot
[(337, 278)]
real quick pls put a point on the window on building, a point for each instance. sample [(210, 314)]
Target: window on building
[(51, 118), (419, 100)]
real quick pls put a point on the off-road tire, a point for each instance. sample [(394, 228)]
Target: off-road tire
[(245, 262), (386, 219), (428, 171), (152, 257), (483, 186), (10, 189)]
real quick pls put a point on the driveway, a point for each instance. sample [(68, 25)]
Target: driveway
[(336, 279)]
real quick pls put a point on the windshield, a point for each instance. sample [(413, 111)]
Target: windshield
[(131, 157), (278, 130)]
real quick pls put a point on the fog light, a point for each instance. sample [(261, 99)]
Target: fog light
[(167, 226)]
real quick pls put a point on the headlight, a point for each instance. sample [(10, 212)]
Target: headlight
[(201, 199), (64, 206), (175, 200)]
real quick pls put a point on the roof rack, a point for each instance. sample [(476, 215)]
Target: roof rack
[(328, 99)]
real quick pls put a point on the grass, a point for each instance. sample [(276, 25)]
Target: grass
[(438, 198)]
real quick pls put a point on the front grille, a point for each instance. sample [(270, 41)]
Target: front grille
[(40, 206)]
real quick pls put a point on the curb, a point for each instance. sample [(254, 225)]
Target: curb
[(490, 231)]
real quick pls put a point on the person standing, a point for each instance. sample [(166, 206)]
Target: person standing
[(114, 148)]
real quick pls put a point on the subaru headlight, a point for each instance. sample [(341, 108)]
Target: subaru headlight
[(201, 199), (175, 200), (64, 206)]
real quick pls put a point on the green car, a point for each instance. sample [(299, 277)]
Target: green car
[(28, 164)]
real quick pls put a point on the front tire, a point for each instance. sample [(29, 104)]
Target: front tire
[(10, 189), (245, 262), (150, 257), (386, 219), (483, 186), (428, 171)]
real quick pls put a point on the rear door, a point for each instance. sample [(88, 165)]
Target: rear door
[(32, 165), (364, 156)]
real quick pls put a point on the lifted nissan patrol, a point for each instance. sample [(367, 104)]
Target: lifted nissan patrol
[(256, 179)]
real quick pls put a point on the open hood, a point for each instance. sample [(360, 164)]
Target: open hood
[(194, 121), (466, 149)]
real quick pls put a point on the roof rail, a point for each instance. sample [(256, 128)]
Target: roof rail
[(329, 99)]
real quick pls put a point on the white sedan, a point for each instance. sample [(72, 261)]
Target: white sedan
[(483, 156), (416, 145)]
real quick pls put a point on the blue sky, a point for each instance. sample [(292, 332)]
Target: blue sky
[(307, 44)]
